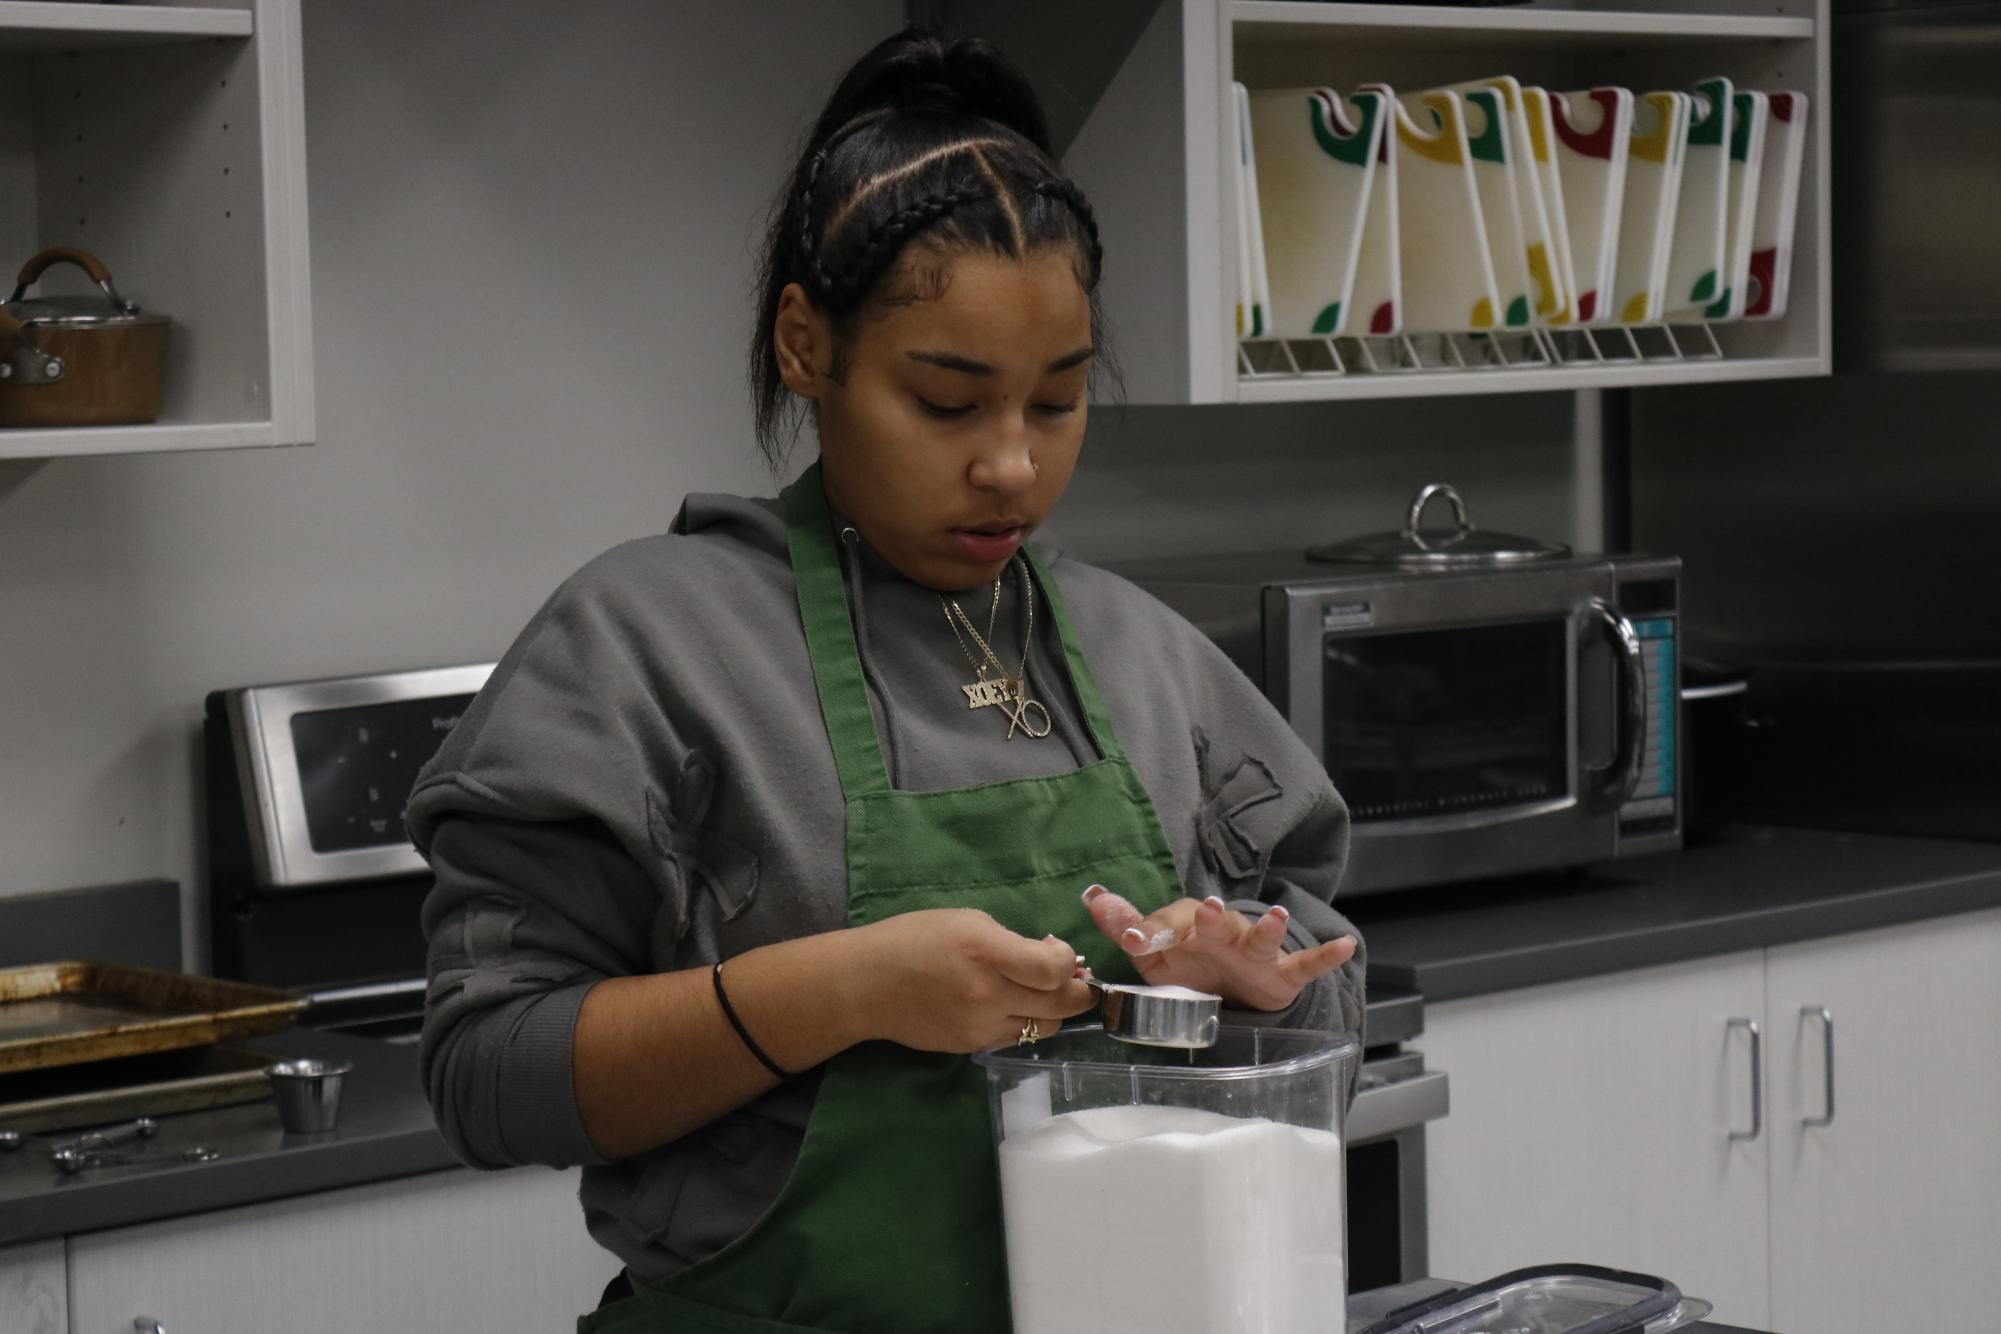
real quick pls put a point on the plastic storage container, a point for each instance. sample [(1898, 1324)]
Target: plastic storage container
[(1171, 1191)]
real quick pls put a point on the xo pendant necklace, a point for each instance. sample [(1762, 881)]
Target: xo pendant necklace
[(1009, 692)]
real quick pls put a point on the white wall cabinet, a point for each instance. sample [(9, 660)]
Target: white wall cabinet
[(1592, 1120), (170, 141), (1155, 149), (34, 1294), (452, 1250)]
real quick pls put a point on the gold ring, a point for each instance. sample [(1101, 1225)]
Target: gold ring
[(1030, 1033)]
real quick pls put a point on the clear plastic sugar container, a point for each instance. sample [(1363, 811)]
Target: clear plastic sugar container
[(1174, 1191)]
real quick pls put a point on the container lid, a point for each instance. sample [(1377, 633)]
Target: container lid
[(1417, 548), (1551, 1299), (1240, 1051)]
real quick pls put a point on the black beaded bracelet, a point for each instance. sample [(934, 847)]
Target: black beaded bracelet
[(729, 1013)]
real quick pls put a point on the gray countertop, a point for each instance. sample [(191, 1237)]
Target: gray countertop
[(1748, 888), (1744, 888), (385, 1131)]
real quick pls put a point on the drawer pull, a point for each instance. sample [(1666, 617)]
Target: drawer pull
[(1820, 1012), (1757, 1080)]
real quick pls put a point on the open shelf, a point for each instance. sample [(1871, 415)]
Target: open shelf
[(44, 26), (1500, 30), (168, 140), (161, 437), (1155, 152)]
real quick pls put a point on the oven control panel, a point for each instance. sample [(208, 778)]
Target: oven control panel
[(1651, 808), (322, 769)]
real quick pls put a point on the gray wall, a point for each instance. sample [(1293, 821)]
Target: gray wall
[(531, 246)]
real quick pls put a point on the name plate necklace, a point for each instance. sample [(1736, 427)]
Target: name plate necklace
[(1001, 690)]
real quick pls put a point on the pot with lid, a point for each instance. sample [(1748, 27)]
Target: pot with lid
[(1460, 547), (91, 360)]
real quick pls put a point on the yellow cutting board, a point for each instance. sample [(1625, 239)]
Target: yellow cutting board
[(1448, 277)]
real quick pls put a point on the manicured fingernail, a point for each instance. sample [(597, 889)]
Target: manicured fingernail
[(1279, 912), (1049, 939), (1093, 892), (1216, 899), (1133, 938)]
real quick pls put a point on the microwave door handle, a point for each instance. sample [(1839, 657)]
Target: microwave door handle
[(1623, 774)]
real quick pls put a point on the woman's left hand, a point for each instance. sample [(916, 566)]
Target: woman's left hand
[(1216, 949)]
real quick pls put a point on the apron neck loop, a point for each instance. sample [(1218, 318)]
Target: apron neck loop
[(830, 638), (836, 657)]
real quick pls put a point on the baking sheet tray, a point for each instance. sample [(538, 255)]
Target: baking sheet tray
[(63, 1013), (36, 1102)]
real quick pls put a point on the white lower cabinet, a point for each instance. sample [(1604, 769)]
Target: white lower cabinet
[(1593, 1121), (451, 1250), (34, 1297), (1889, 1217)]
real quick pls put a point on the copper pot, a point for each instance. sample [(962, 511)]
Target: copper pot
[(79, 360)]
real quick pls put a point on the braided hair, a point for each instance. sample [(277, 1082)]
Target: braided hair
[(925, 140)]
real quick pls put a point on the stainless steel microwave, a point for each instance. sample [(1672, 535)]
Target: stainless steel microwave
[(1479, 722)]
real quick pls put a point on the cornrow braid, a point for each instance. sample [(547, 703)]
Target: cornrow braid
[(809, 250), (1066, 192), (816, 272), (887, 239)]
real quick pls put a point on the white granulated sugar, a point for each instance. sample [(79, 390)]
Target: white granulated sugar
[(1173, 1221), (1166, 991)]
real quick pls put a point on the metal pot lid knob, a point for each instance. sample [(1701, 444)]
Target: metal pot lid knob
[(1465, 544)]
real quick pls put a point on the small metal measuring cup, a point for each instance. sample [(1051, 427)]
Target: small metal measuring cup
[(308, 1093), (1159, 1016)]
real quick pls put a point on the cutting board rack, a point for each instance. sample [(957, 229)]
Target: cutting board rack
[(1142, 103), (1403, 363)]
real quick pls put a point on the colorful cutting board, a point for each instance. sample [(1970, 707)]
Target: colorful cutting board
[(1250, 319), (1594, 131), (1542, 149), (1653, 187), (1747, 164), (1489, 135), (1778, 208), (1695, 267), (1539, 221), (1254, 221), (1315, 166), (1377, 294), (1448, 277)]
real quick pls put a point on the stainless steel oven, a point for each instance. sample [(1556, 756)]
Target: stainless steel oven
[(1485, 707)]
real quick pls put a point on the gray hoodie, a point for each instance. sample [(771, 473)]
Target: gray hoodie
[(645, 785)]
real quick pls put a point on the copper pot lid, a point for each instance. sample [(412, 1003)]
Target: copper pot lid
[(104, 306), (1417, 548), (78, 312)]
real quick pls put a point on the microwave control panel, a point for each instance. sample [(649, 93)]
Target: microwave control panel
[(1654, 806)]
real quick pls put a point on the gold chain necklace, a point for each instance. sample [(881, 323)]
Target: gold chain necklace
[(1009, 692)]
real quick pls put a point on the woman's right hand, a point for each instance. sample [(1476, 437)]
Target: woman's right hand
[(955, 980)]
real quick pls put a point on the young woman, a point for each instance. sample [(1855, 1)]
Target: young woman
[(763, 824)]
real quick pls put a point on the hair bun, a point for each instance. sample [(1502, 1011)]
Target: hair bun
[(917, 71)]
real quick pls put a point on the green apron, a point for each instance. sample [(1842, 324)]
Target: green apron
[(891, 1221)]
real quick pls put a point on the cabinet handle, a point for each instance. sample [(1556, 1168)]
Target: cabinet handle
[(1757, 1079), (145, 1324), (1826, 1018)]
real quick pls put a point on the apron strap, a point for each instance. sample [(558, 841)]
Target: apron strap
[(1097, 717), (830, 638), (837, 670)]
